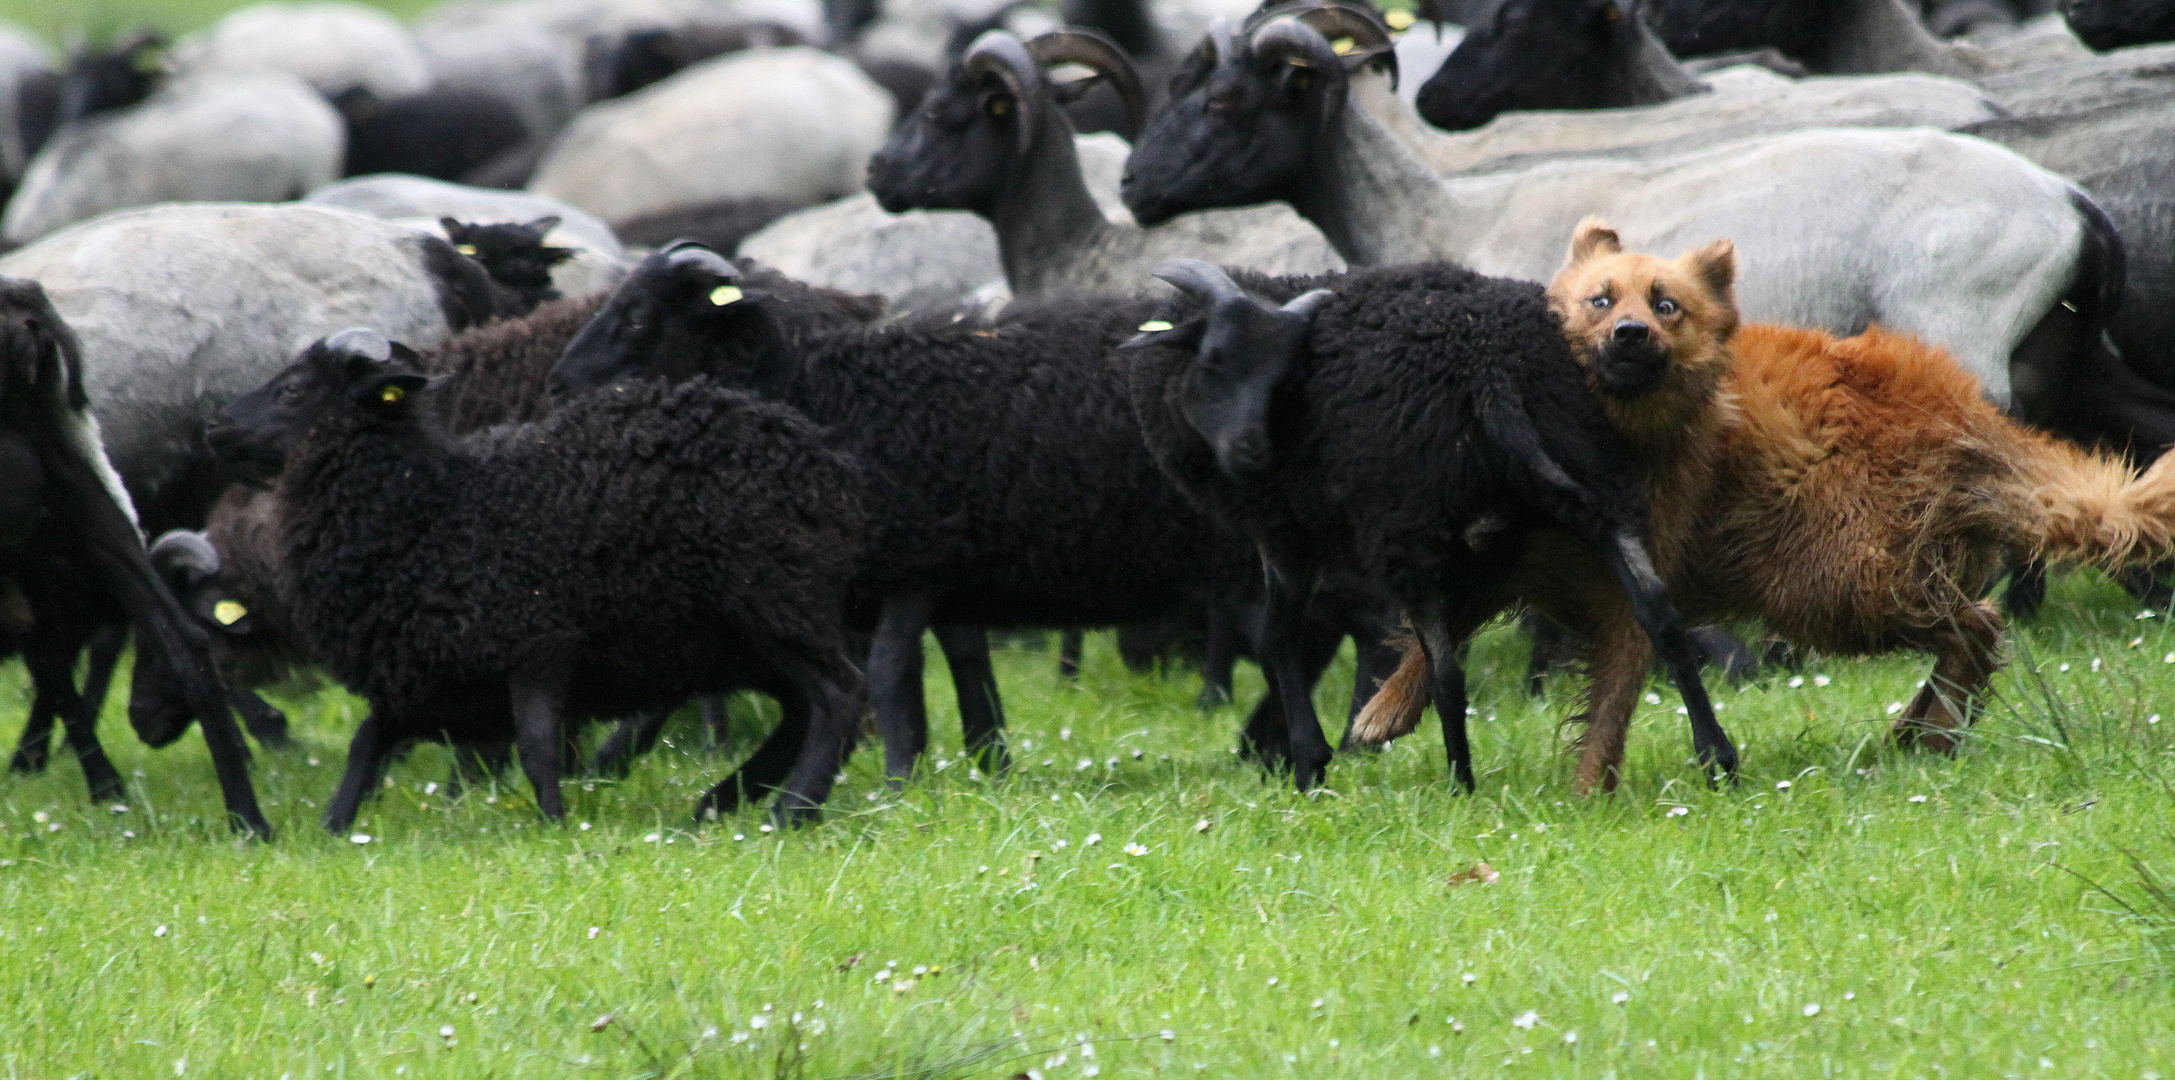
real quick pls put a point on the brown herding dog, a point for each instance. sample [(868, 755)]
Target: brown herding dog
[(1856, 494)]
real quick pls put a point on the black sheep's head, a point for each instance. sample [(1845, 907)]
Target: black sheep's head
[(186, 560), (2112, 24), (1249, 108), (963, 148), (1243, 350), (353, 372), (1529, 54), (512, 252), (680, 313), (115, 77)]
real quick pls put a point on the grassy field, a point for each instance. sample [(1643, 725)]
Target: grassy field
[(1133, 901)]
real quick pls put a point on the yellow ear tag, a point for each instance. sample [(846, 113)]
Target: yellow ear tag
[(725, 294), (1398, 20), (1343, 46), (465, 249), (228, 612), (1153, 325), (391, 394)]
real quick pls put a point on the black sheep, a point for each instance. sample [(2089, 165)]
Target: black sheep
[(444, 133), (635, 547), (73, 563), (1008, 484), (490, 375), (1426, 427)]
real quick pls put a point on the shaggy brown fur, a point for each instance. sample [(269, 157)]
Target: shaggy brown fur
[(1856, 493)]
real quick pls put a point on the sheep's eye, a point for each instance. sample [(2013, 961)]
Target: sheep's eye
[(1301, 81), (1600, 302), (1665, 306), (999, 105)]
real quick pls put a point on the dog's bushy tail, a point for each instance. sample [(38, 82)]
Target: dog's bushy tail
[(1394, 710), (2091, 509)]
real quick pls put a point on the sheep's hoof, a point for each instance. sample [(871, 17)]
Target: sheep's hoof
[(28, 763)]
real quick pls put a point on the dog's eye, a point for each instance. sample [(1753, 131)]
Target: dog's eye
[(1665, 306), (1600, 301)]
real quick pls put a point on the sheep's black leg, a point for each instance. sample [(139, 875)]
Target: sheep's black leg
[(367, 752), (35, 749), (833, 691), (981, 711), (535, 698), (2143, 583), (103, 653), (1069, 643), (1284, 657), (1373, 657), (2027, 590), (1551, 643), (266, 723), (1443, 638), (52, 674), (1658, 617), (894, 679), (1220, 656), (630, 739), (768, 767)]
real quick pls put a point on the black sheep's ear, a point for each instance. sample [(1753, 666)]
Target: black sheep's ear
[(391, 388), (544, 224), (214, 608), (1186, 335)]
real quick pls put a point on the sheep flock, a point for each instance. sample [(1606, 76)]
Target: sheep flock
[(546, 362)]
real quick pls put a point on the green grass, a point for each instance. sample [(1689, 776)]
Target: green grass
[(56, 20), (1977, 916)]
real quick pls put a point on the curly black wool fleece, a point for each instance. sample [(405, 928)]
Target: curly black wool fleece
[(1006, 470), (674, 540), (1384, 455), (500, 370)]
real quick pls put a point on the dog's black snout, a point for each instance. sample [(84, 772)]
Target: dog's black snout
[(1631, 332)]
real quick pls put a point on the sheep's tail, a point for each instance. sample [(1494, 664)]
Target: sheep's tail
[(2086, 508), (1395, 708)]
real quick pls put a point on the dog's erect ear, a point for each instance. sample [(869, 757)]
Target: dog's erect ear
[(1716, 266), (1592, 237)]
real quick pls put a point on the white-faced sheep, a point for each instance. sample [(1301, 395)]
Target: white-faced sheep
[(1315, 421), (639, 545)]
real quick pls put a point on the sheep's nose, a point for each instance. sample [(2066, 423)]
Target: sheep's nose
[(1631, 332)]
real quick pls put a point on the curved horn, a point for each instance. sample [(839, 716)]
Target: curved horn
[(186, 549), (361, 341), (1000, 54), (1200, 279), (1100, 54), (1343, 19), (684, 253)]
